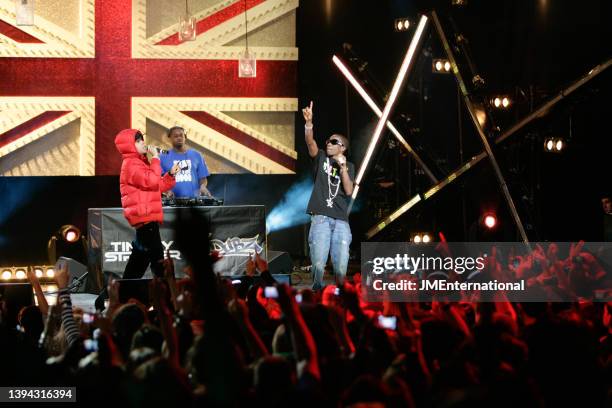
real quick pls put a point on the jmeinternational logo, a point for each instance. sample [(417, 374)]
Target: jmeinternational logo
[(486, 271)]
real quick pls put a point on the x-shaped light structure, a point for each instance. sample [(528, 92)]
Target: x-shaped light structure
[(384, 116), (386, 112)]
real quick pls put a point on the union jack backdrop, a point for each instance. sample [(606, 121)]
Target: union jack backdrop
[(87, 69)]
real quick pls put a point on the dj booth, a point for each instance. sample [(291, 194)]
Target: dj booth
[(236, 232)]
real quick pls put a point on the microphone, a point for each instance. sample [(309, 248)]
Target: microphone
[(159, 149)]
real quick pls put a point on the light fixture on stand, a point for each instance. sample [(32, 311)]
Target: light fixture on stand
[(187, 25), (247, 64), (24, 11)]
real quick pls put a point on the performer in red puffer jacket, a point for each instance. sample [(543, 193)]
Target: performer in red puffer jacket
[(141, 185)]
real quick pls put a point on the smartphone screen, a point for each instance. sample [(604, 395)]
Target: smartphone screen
[(271, 292), (91, 345), (298, 298), (387, 322), (88, 318)]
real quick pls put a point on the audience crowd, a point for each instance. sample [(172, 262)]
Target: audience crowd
[(205, 340)]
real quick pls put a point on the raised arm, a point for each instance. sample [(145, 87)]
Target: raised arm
[(304, 345), (40, 296), (313, 149), (62, 278)]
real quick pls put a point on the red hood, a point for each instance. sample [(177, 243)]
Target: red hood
[(124, 141)]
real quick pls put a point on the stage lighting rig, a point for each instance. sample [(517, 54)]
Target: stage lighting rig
[(489, 220), (24, 12), (441, 66), (501, 102), (187, 25), (421, 238), (7, 274), (401, 24), (554, 144), (67, 237)]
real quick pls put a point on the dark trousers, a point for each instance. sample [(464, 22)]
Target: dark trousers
[(146, 249)]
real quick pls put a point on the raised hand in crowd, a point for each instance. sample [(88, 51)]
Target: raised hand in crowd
[(240, 312), (113, 297), (262, 264), (159, 293), (170, 278), (250, 266), (303, 343), (62, 277), (43, 305)]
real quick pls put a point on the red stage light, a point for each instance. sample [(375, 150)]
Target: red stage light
[(490, 221), (70, 233)]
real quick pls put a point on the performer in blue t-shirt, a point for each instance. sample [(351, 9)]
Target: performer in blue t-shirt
[(191, 180)]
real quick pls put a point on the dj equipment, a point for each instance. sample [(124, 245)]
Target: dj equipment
[(236, 232), (191, 202)]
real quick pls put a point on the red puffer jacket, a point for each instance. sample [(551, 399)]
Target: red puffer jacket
[(140, 183)]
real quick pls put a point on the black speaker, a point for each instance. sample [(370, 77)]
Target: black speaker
[(15, 296), (280, 266)]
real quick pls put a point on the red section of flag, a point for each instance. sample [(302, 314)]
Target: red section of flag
[(215, 19), (30, 126), (242, 138), (113, 77), (17, 35)]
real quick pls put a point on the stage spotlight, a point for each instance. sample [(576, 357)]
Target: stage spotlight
[(70, 233), (501, 102), (66, 241), (554, 144), (441, 66), (421, 238), (459, 3), (401, 24), (20, 274), (39, 272), (50, 273), (549, 145), (490, 220), (7, 274)]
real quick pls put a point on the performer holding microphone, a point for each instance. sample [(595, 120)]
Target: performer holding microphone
[(328, 205), (191, 180), (141, 185)]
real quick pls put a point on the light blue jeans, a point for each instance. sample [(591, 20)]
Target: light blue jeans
[(328, 233)]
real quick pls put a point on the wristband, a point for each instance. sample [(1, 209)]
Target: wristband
[(308, 127)]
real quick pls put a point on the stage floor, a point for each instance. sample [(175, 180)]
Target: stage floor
[(299, 281)]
